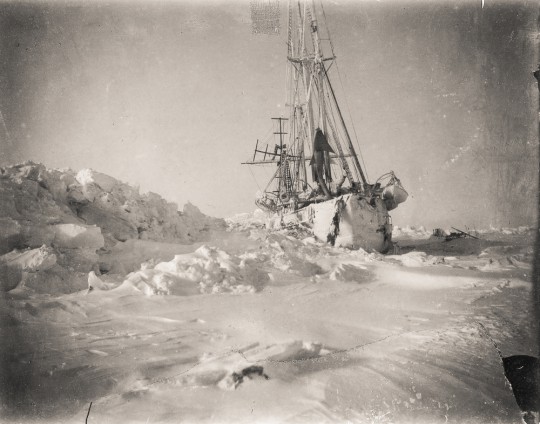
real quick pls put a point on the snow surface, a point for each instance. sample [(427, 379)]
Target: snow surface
[(251, 325)]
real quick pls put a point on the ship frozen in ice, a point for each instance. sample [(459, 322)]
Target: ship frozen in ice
[(319, 179)]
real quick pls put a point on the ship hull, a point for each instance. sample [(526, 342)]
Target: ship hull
[(348, 221)]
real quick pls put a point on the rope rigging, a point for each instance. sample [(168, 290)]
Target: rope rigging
[(342, 88)]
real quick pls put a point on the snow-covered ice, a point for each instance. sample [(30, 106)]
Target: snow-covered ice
[(245, 324)]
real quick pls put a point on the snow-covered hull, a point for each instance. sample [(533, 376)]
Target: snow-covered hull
[(349, 221)]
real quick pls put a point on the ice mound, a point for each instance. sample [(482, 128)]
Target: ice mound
[(520, 252), (286, 253), (79, 214), (208, 270), (247, 221), (35, 199), (415, 259), (349, 272), (86, 177), (411, 232), (508, 231), (296, 350), (499, 264), (126, 257), (307, 257), (506, 257)]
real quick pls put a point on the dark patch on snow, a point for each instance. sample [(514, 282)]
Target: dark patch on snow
[(238, 378)]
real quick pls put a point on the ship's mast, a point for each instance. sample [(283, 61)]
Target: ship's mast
[(284, 180), (280, 132), (318, 71), (322, 79), (317, 131)]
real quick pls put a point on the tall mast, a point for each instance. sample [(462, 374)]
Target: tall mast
[(284, 180), (295, 126), (317, 62), (306, 72), (318, 71), (280, 132), (309, 109)]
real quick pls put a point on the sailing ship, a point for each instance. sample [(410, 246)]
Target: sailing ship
[(319, 180)]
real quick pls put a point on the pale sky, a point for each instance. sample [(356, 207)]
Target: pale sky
[(172, 96)]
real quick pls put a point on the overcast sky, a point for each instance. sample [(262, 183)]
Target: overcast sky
[(172, 96)]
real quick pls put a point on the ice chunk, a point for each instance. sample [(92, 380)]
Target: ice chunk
[(76, 195), (13, 264), (89, 176), (154, 282), (350, 272), (74, 236), (30, 260), (9, 234), (10, 277), (415, 259), (96, 283), (247, 221), (410, 232), (36, 235)]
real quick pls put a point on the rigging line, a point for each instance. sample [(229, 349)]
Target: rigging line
[(319, 109), (296, 94), (341, 82), (332, 124), (293, 94), (289, 29), (254, 179), (352, 122), (344, 127), (272, 179), (327, 30), (288, 81)]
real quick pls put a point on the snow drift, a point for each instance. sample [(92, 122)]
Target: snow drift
[(207, 270)]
